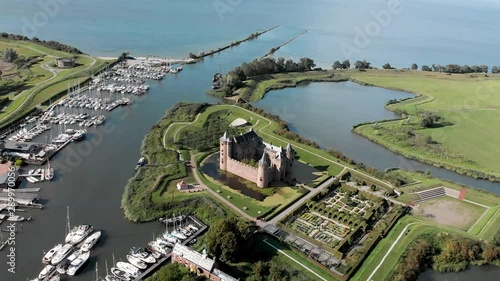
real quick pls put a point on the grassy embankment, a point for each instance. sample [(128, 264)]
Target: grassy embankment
[(484, 226), (468, 106), (276, 197), (151, 193), (40, 82), (415, 229), (255, 88)]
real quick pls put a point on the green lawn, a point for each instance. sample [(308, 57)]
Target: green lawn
[(256, 88), (416, 228), (467, 101), (299, 257), (40, 83)]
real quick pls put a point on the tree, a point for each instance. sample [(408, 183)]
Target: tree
[(362, 65), (414, 66), (426, 68), (465, 69), (9, 55), (306, 64), (387, 66), (495, 69), (346, 64), (427, 119), (226, 238), (483, 68), (452, 68), (170, 272), (337, 65)]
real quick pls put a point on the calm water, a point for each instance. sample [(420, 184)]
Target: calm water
[(211, 168), (483, 273), (326, 112), (425, 32)]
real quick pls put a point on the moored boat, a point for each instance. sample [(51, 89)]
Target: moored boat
[(78, 233), (62, 267), (78, 263), (61, 254), (90, 241), (123, 275), (48, 256), (136, 262), (128, 268), (46, 272), (142, 255)]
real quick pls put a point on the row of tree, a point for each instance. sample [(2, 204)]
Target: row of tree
[(49, 44), (449, 68), (456, 68)]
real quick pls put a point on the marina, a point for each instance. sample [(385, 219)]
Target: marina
[(147, 260)]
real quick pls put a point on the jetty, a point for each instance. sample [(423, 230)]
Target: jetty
[(173, 220), (273, 50), (201, 228), (236, 43)]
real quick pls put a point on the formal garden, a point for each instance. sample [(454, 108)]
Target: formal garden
[(345, 221)]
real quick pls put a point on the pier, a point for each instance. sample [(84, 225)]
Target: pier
[(273, 50), (250, 37), (201, 228)]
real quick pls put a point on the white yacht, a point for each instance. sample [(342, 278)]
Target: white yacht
[(178, 234), (79, 135), (142, 255), (123, 275), (128, 268), (77, 263), (48, 256), (78, 233), (158, 247), (61, 254), (136, 262), (46, 272), (90, 241), (169, 237)]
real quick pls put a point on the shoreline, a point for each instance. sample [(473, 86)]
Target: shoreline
[(257, 94)]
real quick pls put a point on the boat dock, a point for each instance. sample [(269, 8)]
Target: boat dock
[(162, 261), (152, 268), (23, 190)]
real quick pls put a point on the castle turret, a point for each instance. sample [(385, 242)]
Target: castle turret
[(262, 171), (290, 155), (225, 151)]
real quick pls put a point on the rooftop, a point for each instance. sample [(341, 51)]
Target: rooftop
[(238, 122), (193, 256), (224, 276)]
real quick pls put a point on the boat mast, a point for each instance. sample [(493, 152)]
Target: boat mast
[(68, 226), (96, 273), (106, 265)]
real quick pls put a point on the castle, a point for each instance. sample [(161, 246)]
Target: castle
[(275, 164)]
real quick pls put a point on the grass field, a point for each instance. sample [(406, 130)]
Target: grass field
[(415, 229), (256, 88), (449, 211), (467, 101)]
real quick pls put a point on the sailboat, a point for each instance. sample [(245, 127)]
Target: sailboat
[(49, 171), (178, 233)]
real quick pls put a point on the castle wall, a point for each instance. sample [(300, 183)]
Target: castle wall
[(242, 170)]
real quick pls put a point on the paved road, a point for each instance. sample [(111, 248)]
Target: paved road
[(294, 206)]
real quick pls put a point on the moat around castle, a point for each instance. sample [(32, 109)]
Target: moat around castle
[(237, 153)]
